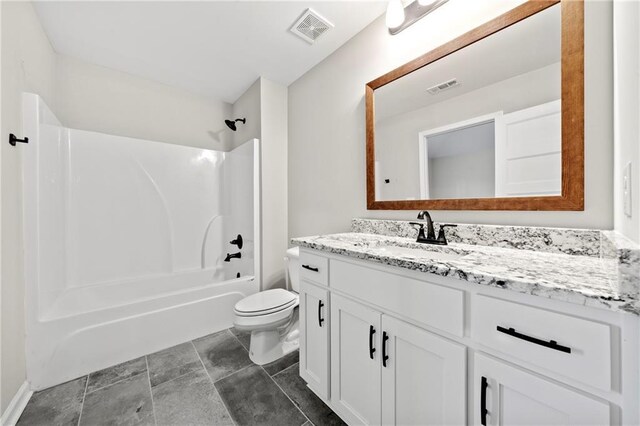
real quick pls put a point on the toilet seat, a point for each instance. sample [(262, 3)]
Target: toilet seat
[(266, 302)]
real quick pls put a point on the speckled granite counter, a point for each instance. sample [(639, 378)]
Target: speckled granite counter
[(590, 280)]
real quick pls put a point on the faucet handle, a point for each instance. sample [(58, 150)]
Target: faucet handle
[(420, 230), (441, 235)]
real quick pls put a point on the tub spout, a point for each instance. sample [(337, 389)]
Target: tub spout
[(237, 255)]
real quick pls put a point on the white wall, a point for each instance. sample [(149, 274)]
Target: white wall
[(264, 105), (627, 112), (247, 106), (91, 97), (28, 64), (327, 132), (274, 137)]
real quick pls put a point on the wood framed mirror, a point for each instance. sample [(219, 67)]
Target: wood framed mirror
[(492, 120)]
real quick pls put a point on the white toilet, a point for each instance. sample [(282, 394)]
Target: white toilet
[(271, 317)]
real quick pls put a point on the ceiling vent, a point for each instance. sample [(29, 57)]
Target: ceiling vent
[(310, 26), (434, 90)]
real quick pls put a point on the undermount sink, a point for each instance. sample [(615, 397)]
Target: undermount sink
[(392, 250)]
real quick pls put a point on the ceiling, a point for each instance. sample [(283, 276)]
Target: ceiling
[(529, 45), (214, 48)]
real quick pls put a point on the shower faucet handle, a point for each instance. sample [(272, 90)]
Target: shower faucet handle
[(238, 241)]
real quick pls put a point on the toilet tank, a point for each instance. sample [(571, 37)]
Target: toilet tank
[(293, 266)]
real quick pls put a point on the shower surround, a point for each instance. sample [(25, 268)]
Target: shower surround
[(125, 241)]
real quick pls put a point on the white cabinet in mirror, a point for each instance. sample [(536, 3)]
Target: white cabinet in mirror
[(482, 122)]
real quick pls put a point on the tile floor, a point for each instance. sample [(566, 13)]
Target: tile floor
[(208, 381)]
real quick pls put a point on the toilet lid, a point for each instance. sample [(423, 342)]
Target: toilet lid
[(266, 301)]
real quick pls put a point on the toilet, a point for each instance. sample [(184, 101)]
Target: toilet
[(271, 317)]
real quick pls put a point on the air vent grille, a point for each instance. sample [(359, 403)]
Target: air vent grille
[(310, 26), (434, 90)]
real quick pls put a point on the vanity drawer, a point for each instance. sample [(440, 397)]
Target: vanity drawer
[(572, 347), (314, 268), (429, 304)]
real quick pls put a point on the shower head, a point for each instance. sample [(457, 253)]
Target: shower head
[(232, 123)]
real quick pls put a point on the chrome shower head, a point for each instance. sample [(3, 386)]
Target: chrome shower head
[(232, 123)]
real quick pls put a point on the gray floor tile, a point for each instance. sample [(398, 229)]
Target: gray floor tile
[(280, 364), (125, 403), (189, 400), (222, 354), (254, 399), (114, 374), (243, 336), (59, 405), (173, 362), (312, 406)]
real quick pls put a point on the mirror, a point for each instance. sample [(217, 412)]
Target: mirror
[(488, 121)]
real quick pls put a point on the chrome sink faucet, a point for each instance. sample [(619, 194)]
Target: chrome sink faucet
[(430, 238)]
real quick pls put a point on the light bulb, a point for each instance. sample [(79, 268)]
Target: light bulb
[(426, 2), (395, 13)]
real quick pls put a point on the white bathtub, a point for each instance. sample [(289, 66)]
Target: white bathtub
[(105, 334), (125, 241)]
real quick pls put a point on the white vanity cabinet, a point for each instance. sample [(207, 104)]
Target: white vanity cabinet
[(355, 361), (400, 347), (314, 337), (386, 371), (508, 395)]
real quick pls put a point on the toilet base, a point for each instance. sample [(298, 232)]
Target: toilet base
[(270, 345)]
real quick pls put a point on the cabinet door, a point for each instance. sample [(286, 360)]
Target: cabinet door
[(423, 377), (355, 361), (314, 338), (516, 397)]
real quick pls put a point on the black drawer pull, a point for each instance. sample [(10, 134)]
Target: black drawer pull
[(483, 401), (320, 319), (311, 268), (385, 356), (551, 344), (372, 350)]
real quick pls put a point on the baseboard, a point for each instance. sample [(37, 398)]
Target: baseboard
[(16, 406)]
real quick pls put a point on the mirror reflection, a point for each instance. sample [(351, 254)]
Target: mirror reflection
[(482, 122)]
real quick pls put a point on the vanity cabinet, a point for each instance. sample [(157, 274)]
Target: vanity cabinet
[(382, 345), (423, 378), (355, 361), (386, 371), (508, 395), (314, 337)]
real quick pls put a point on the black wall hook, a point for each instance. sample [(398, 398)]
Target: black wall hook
[(13, 140)]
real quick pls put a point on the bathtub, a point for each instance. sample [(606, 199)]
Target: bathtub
[(125, 241), (70, 343)]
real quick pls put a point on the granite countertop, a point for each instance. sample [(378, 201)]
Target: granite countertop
[(584, 280)]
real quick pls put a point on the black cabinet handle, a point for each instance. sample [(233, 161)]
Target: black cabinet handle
[(311, 268), (551, 344), (385, 356), (372, 350), (320, 319), (483, 401)]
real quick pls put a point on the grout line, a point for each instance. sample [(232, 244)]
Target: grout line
[(114, 383), (153, 405), (237, 371), (213, 384), (238, 339), (84, 395), (289, 398), (285, 369)]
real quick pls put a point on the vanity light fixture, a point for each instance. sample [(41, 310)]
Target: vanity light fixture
[(400, 17)]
